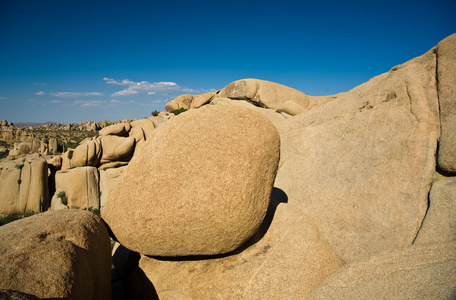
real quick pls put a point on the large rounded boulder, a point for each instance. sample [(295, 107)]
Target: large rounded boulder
[(56, 255), (200, 186)]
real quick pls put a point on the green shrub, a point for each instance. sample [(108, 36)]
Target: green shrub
[(93, 210), (178, 111), (4, 154), (70, 154), (63, 197), (13, 217), (19, 166), (19, 181), (155, 113)]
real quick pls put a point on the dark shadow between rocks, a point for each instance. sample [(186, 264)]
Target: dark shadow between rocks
[(128, 281), (277, 196)]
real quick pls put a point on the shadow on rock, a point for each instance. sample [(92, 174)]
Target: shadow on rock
[(128, 281), (277, 196)]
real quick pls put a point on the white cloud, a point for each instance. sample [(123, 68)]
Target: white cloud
[(134, 88), (74, 94), (55, 101), (93, 103), (3, 98), (40, 93)]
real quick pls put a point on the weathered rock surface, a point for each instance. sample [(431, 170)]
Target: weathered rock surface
[(416, 272), (447, 151), (121, 129), (58, 254), (263, 93), (446, 72), (146, 125), (180, 101), (286, 263), (200, 186), (86, 154), (292, 108), (440, 222), (116, 148), (361, 165), (80, 186), (108, 180), (24, 185)]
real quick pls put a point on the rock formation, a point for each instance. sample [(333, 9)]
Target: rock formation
[(362, 205), (200, 186), (59, 254), (80, 186), (24, 185), (415, 272)]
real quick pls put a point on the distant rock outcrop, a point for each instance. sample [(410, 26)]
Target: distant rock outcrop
[(24, 185)]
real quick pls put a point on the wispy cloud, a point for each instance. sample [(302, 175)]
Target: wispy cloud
[(82, 103), (40, 93), (3, 98), (40, 83), (55, 101), (74, 94), (150, 88)]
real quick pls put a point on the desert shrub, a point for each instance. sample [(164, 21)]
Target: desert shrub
[(93, 210), (179, 110), (19, 166), (155, 113), (5, 219), (4, 154), (63, 197), (70, 154), (19, 181)]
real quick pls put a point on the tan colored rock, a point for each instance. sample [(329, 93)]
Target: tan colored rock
[(25, 148), (57, 202), (147, 126), (446, 74), (121, 129), (116, 148), (24, 185), (202, 99), (446, 158), (292, 108), (181, 101), (286, 259), (88, 153), (416, 272), (263, 93), (57, 254), (272, 115), (80, 186), (174, 196), (114, 164), (44, 146), (440, 222), (361, 165), (138, 134), (56, 162), (108, 180), (160, 120), (53, 146)]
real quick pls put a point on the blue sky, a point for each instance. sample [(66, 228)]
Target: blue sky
[(72, 61)]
